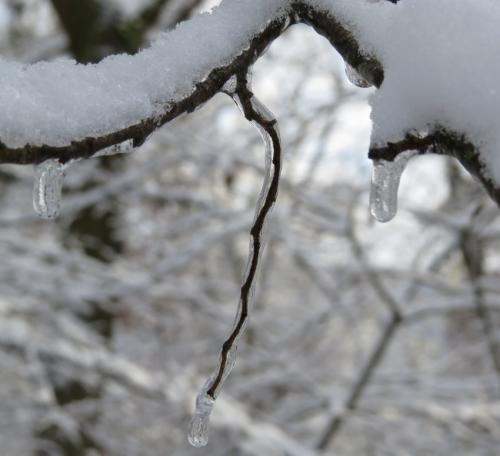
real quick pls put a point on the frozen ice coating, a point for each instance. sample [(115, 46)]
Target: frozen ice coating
[(385, 185), (47, 190)]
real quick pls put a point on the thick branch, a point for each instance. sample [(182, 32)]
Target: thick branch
[(203, 90), (342, 40), (188, 93)]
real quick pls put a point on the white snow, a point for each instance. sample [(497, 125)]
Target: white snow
[(58, 102)]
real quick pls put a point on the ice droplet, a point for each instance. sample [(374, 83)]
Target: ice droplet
[(47, 190), (385, 184), (355, 78), (198, 428)]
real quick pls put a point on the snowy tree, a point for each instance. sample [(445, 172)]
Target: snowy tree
[(432, 94)]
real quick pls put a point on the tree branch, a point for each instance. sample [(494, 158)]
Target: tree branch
[(244, 97), (326, 23), (204, 89)]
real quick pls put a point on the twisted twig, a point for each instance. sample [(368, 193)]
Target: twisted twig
[(255, 112)]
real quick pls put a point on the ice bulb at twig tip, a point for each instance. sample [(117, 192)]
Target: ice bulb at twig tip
[(385, 184), (47, 189), (198, 428), (355, 78)]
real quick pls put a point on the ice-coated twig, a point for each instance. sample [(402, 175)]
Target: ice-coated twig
[(264, 121)]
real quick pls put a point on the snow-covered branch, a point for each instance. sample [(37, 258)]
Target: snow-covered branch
[(66, 111)]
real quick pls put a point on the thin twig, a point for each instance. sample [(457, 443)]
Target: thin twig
[(245, 99)]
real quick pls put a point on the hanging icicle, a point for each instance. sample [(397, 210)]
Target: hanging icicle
[(263, 120), (385, 184), (355, 78), (47, 189), (198, 429)]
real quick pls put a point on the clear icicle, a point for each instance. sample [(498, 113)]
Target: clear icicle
[(385, 184), (198, 429), (47, 189), (199, 425), (355, 78)]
